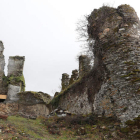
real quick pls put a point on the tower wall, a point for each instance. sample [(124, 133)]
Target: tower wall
[(15, 77)]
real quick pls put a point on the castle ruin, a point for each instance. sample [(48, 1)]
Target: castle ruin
[(111, 88), (13, 83)]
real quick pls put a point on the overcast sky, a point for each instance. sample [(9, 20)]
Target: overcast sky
[(44, 32)]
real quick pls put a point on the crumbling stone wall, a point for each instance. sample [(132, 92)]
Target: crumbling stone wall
[(15, 77), (112, 87), (56, 93), (33, 103), (15, 65), (9, 108), (117, 47), (3, 85), (65, 81), (84, 65), (78, 98), (74, 77), (75, 98), (29, 104)]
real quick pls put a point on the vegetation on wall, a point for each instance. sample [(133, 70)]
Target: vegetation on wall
[(18, 57), (15, 81), (39, 95), (55, 101)]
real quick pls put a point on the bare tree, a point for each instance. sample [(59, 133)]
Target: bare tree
[(87, 46)]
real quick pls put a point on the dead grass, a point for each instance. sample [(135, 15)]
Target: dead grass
[(73, 127)]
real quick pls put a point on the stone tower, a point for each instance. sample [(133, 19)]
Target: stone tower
[(15, 77), (3, 88), (74, 76), (65, 81), (117, 58), (84, 65)]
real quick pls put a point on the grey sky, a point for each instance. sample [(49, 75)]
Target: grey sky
[(44, 32)]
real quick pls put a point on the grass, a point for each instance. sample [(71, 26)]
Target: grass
[(72, 127)]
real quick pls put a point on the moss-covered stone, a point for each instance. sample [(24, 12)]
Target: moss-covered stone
[(5, 81), (129, 74), (55, 101), (130, 122), (129, 63), (132, 127), (135, 79), (20, 81), (17, 57), (31, 97), (125, 130)]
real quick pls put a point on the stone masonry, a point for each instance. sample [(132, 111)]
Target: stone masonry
[(112, 87), (15, 65), (74, 76), (117, 53), (84, 65), (15, 76), (3, 89), (64, 81), (27, 104)]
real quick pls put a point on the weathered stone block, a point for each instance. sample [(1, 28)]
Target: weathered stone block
[(12, 93), (84, 65), (3, 86), (32, 98), (64, 81), (74, 76), (15, 65)]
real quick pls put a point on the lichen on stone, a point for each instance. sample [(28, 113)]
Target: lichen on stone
[(17, 57), (40, 96), (19, 81)]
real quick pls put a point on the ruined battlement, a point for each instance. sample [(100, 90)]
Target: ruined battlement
[(15, 65), (84, 65), (111, 88), (14, 82), (3, 90), (84, 68), (15, 77), (65, 81)]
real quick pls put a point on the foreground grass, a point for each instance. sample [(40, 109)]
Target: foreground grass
[(65, 128), (19, 128)]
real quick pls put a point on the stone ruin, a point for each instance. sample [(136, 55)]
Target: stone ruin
[(13, 83), (15, 74), (74, 76), (117, 57), (112, 87), (84, 65), (65, 81), (3, 90), (14, 99), (84, 68)]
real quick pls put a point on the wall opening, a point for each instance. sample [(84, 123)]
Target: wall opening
[(2, 100)]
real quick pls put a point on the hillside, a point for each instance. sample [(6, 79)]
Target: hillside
[(70, 128)]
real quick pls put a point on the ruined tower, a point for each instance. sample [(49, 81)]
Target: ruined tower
[(3, 89), (84, 65), (15, 77), (74, 76), (117, 58), (64, 81)]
